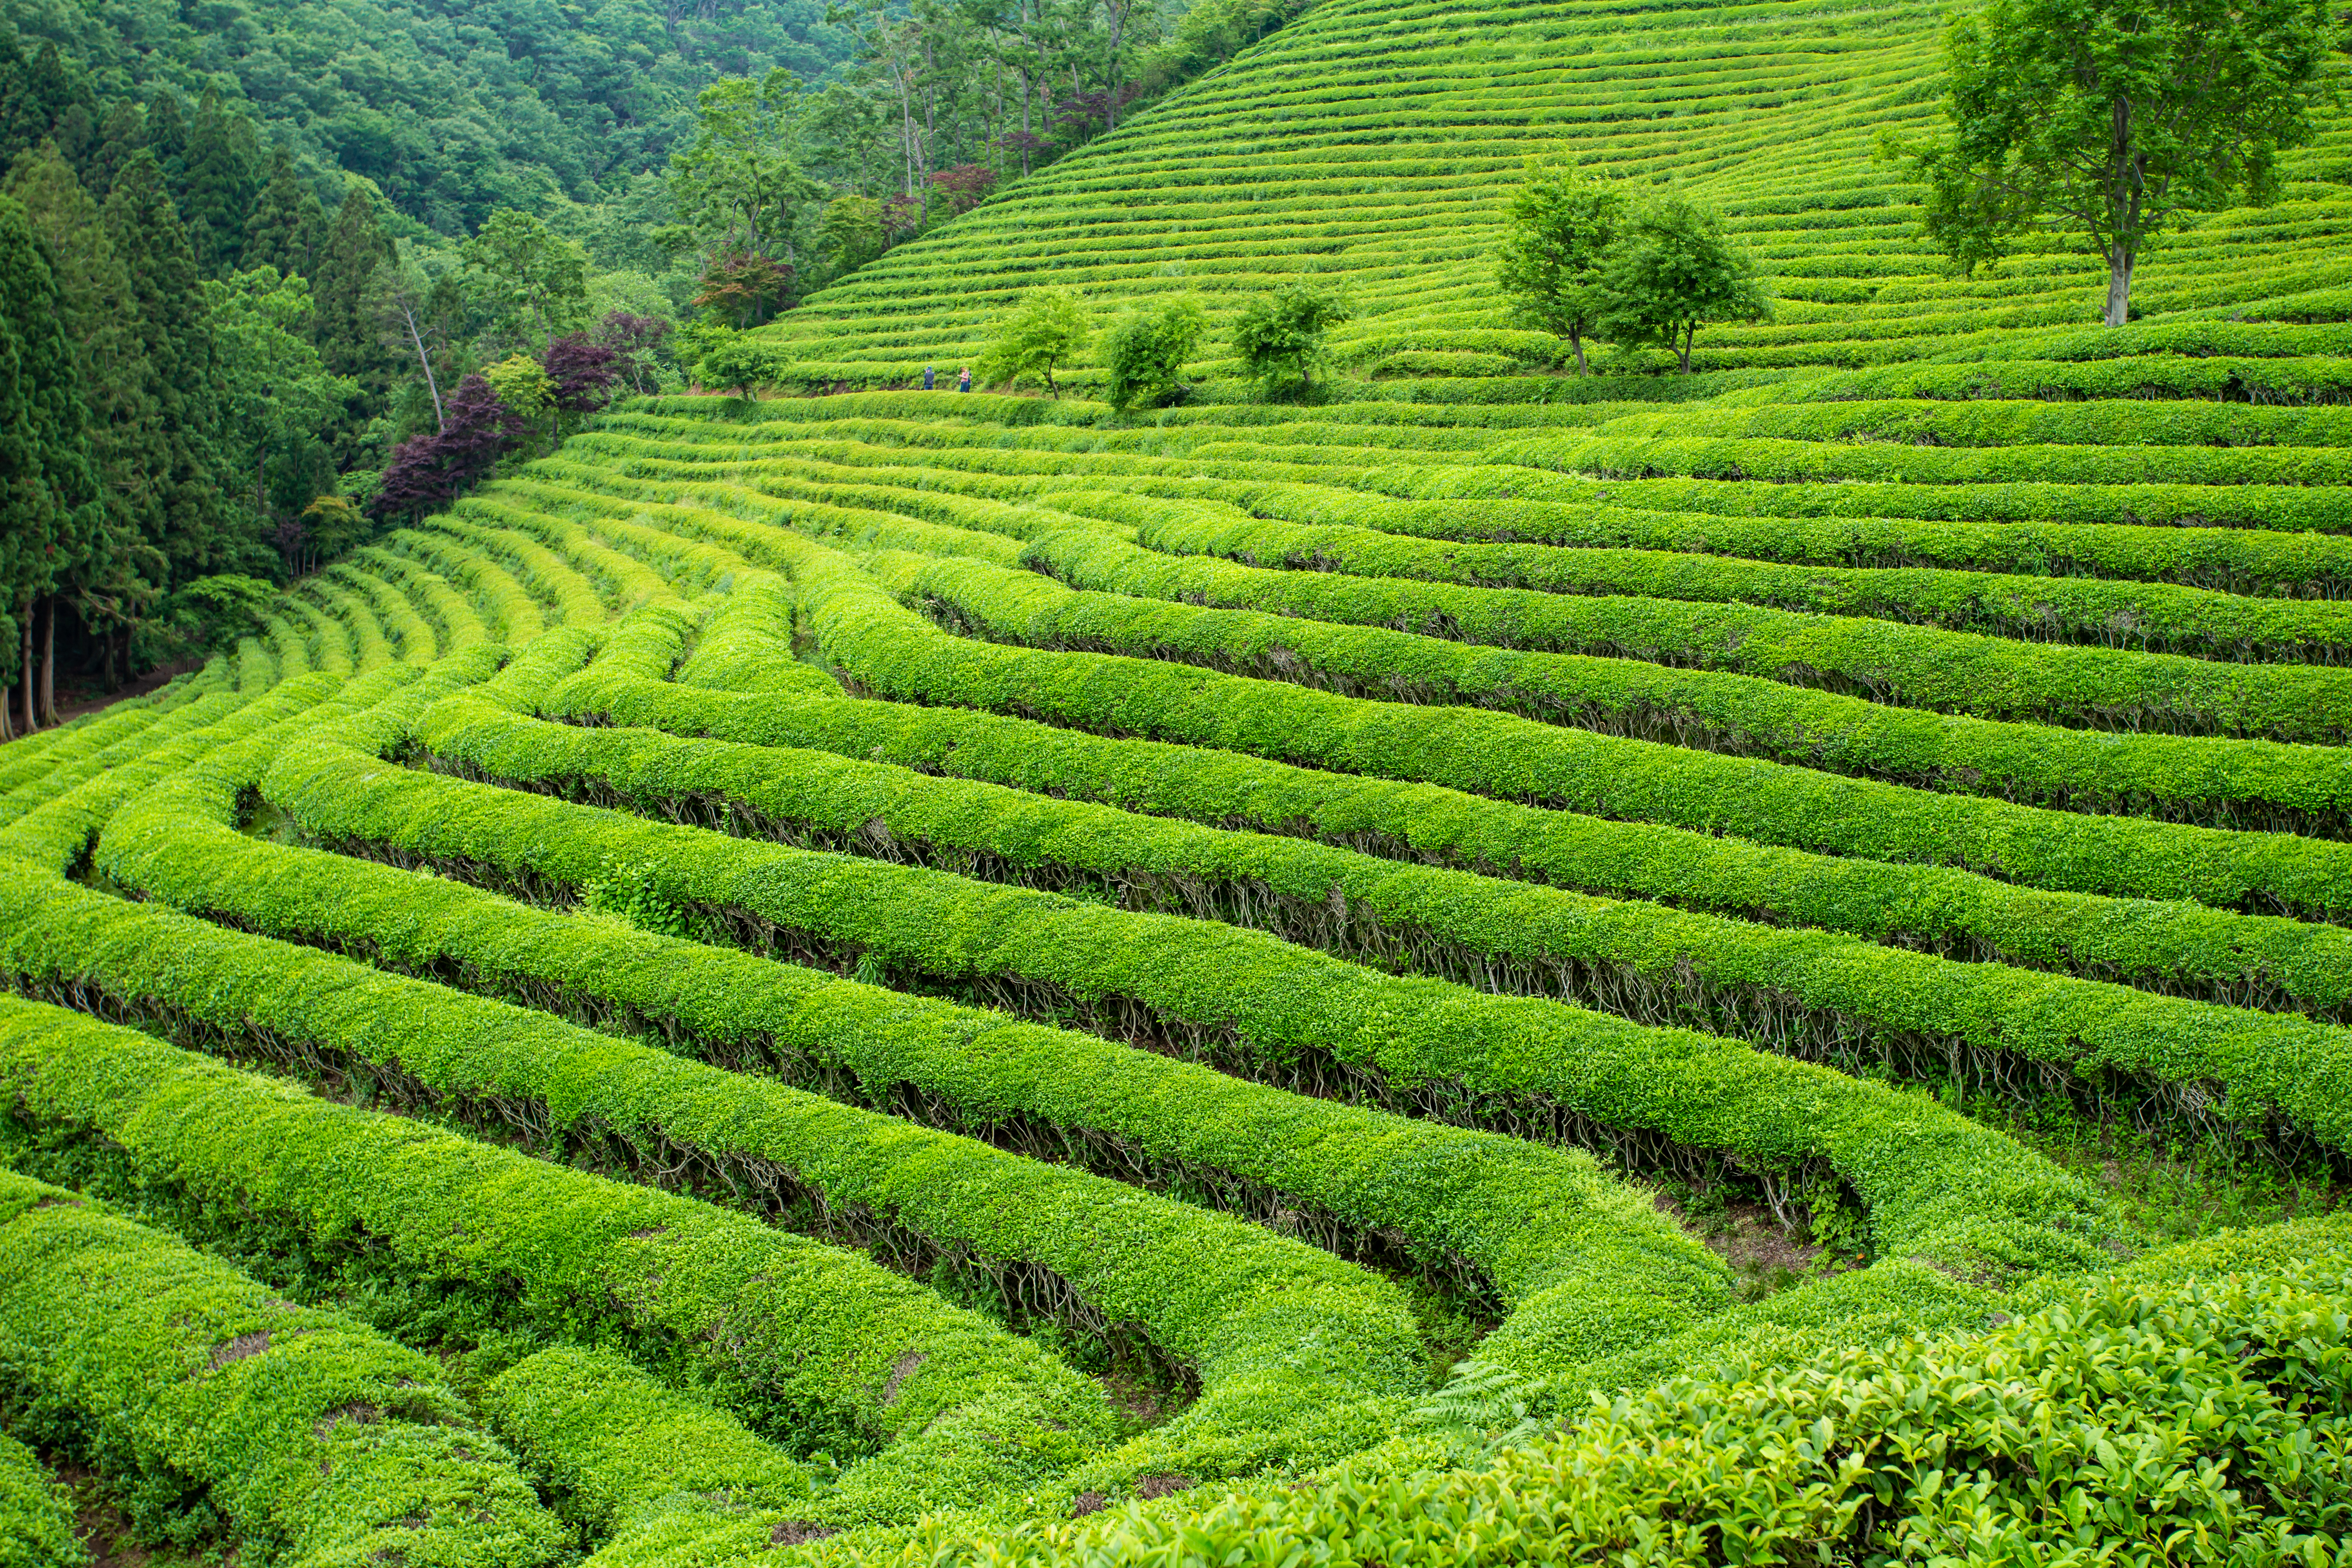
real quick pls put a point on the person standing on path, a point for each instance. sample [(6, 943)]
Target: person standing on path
[(927, 378), (963, 379)]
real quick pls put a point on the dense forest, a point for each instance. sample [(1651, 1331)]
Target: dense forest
[(280, 273)]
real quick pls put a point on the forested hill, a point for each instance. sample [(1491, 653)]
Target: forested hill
[(293, 241), (452, 109)]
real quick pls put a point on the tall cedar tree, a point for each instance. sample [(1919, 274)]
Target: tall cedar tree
[(48, 489), (288, 222), (223, 156), (118, 580), (41, 97), (343, 318), (187, 522)]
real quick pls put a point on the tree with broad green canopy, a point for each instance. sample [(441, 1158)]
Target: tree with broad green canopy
[(2106, 120), (1146, 350), (1280, 335), (534, 281), (1671, 270), (1557, 233), (1049, 331)]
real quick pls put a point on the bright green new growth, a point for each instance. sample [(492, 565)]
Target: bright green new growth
[(37, 1514), (1047, 332), (1388, 954)]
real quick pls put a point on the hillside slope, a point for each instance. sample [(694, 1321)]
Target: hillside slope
[(1156, 957), (1371, 143)]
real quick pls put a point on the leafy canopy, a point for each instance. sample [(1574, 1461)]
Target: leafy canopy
[(2105, 119), (1145, 353), (1555, 235), (1671, 271), (533, 281), (1279, 336), (1049, 331)]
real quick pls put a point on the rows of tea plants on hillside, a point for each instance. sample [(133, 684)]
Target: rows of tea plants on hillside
[(1750, 964), (1368, 148), (1191, 947)]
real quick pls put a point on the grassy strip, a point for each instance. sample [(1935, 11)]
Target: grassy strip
[(36, 1516), (572, 594), (2234, 782), (1527, 505), (2174, 948), (511, 614), (811, 1343), (2269, 473), (67, 773), (1538, 1069), (1669, 599), (321, 1441), (1584, 1265)]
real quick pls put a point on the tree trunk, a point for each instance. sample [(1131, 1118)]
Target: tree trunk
[(1576, 342), (2119, 276), (1025, 122), (1110, 99), (1689, 332), (425, 361), (49, 665), (31, 722)]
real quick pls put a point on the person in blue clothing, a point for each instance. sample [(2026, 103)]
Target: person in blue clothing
[(963, 379), (927, 378)]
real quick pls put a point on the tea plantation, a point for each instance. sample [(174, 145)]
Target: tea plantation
[(1489, 966)]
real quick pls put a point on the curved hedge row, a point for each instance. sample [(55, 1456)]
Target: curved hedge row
[(1806, 993), (2175, 947), (1264, 1005), (320, 1440), (1583, 1264), (619, 1451), (1742, 597), (891, 652), (1986, 678), (812, 1343), (1237, 1307), (37, 1514), (2192, 1419)]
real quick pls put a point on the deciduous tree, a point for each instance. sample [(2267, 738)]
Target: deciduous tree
[(1047, 332), (2105, 119), (1279, 336), (1555, 235), (1146, 352), (1671, 271)]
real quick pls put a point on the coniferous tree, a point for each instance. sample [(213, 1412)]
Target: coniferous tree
[(223, 152), (153, 245), (47, 486), (120, 579), (167, 135), (43, 98), (343, 319), (120, 136), (288, 222)]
